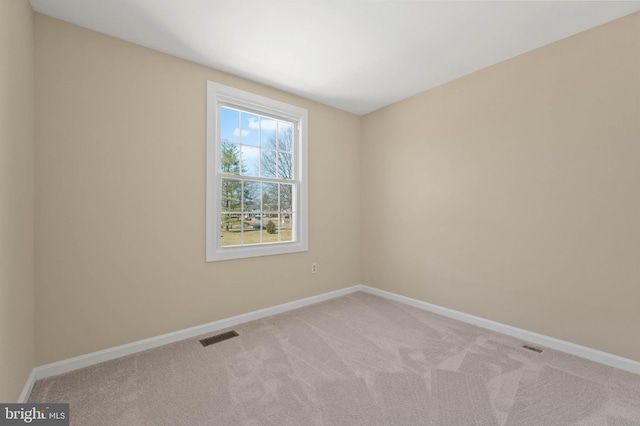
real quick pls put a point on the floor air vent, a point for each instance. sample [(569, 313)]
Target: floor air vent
[(531, 348), (218, 338)]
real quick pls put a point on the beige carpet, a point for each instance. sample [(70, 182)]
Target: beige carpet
[(355, 360)]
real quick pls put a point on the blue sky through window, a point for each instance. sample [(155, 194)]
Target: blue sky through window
[(255, 130), (230, 120), (250, 129), (259, 141)]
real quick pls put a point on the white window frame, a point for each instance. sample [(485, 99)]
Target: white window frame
[(217, 95)]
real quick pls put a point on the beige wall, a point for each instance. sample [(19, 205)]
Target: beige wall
[(120, 216), (519, 203), (512, 193), (16, 197)]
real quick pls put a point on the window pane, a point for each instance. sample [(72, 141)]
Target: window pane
[(250, 160), (230, 158), (250, 126), (268, 163), (229, 125), (286, 197), (253, 225), (270, 233), (286, 230), (230, 232), (252, 234), (270, 197), (268, 132), (231, 195), (252, 196), (285, 166), (285, 136)]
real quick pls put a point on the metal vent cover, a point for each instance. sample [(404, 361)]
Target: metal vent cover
[(218, 338), (531, 348)]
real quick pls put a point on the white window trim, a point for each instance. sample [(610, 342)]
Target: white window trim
[(217, 93)]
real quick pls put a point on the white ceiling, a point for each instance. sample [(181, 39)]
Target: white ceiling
[(356, 55)]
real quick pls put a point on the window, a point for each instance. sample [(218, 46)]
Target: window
[(256, 175)]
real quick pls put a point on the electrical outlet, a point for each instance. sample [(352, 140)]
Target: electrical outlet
[(314, 267)]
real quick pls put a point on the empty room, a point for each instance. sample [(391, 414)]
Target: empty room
[(319, 212)]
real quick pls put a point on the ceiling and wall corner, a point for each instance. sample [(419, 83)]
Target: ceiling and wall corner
[(357, 56)]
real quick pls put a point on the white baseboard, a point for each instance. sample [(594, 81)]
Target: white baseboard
[(86, 360), (527, 336), (26, 391), (75, 363)]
